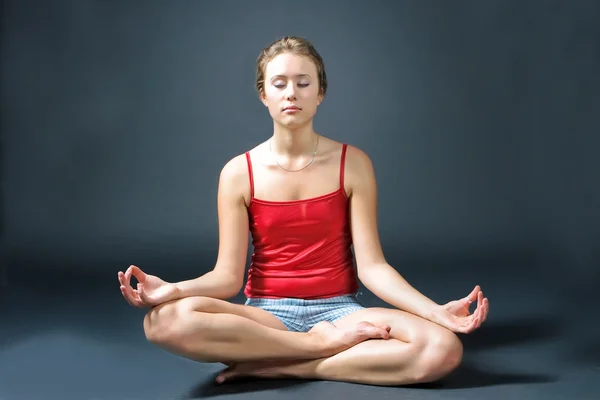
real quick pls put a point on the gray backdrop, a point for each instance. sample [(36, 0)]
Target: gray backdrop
[(481, 119)]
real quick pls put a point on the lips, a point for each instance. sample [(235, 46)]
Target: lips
[(292, 108)]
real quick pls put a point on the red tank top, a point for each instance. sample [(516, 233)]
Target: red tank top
[(301, 247)]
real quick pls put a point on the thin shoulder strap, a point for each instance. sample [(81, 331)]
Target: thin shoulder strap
[(342, 165), (250, 175)]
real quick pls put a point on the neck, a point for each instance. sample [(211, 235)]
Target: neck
[(294, 142)]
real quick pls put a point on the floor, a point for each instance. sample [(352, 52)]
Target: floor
[(77, 339)]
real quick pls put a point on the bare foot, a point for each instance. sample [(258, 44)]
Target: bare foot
[(255, 369), (337, 339)]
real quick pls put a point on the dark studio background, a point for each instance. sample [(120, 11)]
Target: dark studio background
[(481, 119)]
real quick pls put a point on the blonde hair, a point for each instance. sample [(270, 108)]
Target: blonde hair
[(292, 44)]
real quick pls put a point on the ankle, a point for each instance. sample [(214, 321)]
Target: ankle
[(318, 346)]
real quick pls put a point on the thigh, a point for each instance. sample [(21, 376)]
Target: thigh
[(405, 326), (291, 312), (210, 305)]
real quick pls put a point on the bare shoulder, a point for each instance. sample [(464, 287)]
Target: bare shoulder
[(359, 169), (235, 169), (357, 159), (234, 178)]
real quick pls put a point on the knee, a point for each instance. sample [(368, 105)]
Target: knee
[(160, 322), (442, 354), (165, 323)]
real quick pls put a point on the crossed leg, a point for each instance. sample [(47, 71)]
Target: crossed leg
[(253, 342), (211, 330), (418, 351)]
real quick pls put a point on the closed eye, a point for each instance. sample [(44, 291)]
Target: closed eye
[(302, 85)]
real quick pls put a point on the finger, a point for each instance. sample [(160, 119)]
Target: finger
[(141, 293), (128, 297), (470, 326), (470, 322), (483, 309), (138, 273), (145, 299), (127, 276), (474, 324), (480, 309), (464, 324), (130, 293), (483, 312), (486, 309), (121, 278), (473, 295), (126, 289)]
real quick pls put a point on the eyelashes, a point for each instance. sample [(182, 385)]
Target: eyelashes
[(302, 85)]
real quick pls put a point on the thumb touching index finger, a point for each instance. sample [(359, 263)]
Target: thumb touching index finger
[(138, 273)]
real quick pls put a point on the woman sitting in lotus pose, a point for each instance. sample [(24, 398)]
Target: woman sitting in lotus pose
[(305, 199)]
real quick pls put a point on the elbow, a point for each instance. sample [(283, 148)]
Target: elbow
[(374, 274), (231, 285), (365, 277), (366, 272), (231, 290)]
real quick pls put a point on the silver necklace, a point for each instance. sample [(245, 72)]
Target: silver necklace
[(294, 170)]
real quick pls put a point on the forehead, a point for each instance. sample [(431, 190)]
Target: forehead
[(290, 65)]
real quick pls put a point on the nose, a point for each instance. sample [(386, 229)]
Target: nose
[(290, 92)]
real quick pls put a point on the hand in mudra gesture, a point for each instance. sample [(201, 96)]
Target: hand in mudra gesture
[(457, 317), (150, 290)]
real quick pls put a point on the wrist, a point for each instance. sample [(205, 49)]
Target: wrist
[(175, 293), (434, 313), (182, 289)]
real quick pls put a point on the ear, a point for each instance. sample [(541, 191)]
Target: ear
[(263, 99)]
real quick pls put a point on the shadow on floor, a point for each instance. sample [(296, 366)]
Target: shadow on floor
[(466, 377), (521, 330), (207, 388), (585, 352)]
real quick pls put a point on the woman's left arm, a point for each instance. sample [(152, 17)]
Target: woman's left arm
[(377, 275)]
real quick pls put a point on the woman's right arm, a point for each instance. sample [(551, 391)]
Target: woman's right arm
[(227, 277)]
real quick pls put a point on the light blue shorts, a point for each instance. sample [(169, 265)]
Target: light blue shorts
[(300, 315)]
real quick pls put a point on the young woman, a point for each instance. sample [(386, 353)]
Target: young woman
[(305, 199)]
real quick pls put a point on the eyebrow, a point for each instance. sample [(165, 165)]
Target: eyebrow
[(285, 76)]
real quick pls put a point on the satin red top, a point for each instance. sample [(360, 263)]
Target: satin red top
[(302, 247)]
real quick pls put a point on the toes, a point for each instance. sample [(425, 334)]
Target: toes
[(373, 331), (226, 374), (386, 333)]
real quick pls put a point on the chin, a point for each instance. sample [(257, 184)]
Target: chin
[(293, 124)]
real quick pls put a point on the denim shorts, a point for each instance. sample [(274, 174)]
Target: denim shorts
[(300, 315)]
